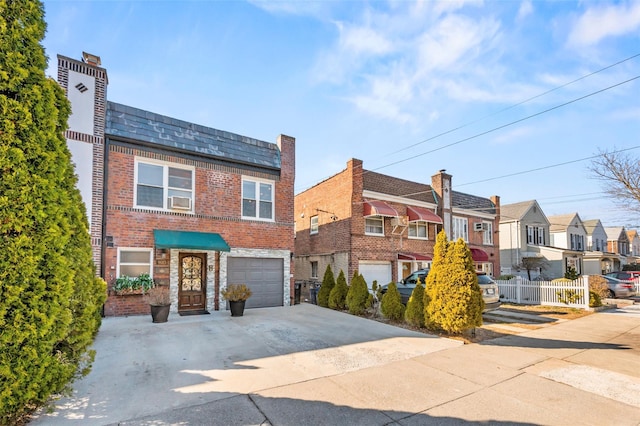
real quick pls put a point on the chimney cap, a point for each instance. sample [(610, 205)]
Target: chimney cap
[(91, 59)]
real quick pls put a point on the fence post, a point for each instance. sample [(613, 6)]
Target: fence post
[(585, 284)]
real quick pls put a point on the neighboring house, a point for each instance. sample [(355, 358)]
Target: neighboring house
[(568, 234), (523, 228), (618, 243), (385, 227), (634, 246), (195, 207), (596, 259)]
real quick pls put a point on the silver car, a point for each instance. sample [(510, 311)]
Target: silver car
[(620, 288)]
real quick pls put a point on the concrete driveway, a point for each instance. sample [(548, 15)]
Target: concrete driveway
[(308, 365)]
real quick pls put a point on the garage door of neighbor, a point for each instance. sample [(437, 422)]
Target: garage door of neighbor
[(265, 278), (380, 271)]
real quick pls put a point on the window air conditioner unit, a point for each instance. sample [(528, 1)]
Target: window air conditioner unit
[(400, 221), (479, 226), (180, 203)]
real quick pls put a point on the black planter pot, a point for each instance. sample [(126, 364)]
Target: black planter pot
[(236, 307), (160, 313)]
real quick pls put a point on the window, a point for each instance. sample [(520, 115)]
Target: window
[(460, 229), (313, 228), (134, 261), (257, 200), (162, 186), (418, 229), (374, 225), (535, 235), (487, 234), (314, 269)]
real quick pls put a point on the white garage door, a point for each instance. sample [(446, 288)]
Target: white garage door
[(265, 278), (379, 271)]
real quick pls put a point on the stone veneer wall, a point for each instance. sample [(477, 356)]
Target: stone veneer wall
[(173, 277)]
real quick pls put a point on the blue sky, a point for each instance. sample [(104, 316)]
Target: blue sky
[(408, 87)]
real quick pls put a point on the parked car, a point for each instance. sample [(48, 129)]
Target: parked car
[(624, 275), (490, 291), (620, 288)]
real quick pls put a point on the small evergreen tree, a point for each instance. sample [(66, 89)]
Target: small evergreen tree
[(414, 314), (328, 282), (391, 305), (357, 295), (571, 273), (456, 302), (338, 294), (437, 265)]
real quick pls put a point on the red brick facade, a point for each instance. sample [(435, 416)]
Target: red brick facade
[(341, 240)]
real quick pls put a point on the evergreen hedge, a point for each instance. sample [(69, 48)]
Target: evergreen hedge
[(414, 314), (358, 295), (338, 294), (391, 305), (50, 299), (328, 282)]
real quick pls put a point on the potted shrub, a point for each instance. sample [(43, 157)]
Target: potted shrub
[(236, 295), (159, 301)]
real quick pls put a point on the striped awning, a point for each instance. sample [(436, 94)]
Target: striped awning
[(423, 214), (379, 208)]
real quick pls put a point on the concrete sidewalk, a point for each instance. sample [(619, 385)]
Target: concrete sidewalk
[(308, 365)]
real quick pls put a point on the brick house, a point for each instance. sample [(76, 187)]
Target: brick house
[(194, 207), (385, 227)]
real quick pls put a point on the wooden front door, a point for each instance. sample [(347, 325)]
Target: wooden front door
[(192, 285)]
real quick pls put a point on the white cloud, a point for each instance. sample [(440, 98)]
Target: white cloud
[(363, 40), (513, 136), (600, 22), (526, 9)]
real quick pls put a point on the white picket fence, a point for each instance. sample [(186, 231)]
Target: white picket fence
[(519, 290)]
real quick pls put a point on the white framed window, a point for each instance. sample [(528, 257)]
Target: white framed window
[(418, 230), (460, 229), (313, 226), (134, 261), (535, 235), (257, 199), (374, 225), (487, 233), (164, 186), (314, 269)]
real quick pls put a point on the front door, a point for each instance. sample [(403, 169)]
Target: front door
[(192, 283)]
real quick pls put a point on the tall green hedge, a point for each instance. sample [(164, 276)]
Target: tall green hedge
[(414, 314), (328, 282), (50, 299), (454, 296)]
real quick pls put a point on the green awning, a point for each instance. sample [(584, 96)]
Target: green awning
[(189, 240)]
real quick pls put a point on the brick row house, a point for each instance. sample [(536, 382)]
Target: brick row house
[(195, 207), (385, 227)]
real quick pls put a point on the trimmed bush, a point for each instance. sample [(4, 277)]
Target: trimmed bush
[(358, 295), (571, 273), (391, 305), (414, 314), (338, 294), (598, 285), (328, 282), (50, 298), (455, 298), (594, 300)]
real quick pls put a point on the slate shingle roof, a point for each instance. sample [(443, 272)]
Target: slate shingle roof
[(515, 211), (390, 185), (472, 202), (590, 225), (133, 124), (560, 222)]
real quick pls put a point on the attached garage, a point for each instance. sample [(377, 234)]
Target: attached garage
[(264, 276), (379, 271)]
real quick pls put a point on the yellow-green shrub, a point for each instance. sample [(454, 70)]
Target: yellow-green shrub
[(358, 295), (414, 313), (328, 282)]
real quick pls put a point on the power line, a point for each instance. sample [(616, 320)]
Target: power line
[(546, 167), (510, 123), (514, 105)]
